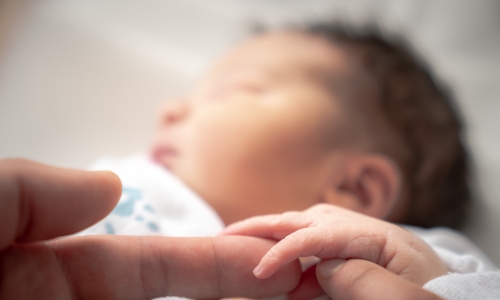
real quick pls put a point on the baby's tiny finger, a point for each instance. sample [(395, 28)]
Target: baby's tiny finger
[(270, 226), (297, 244)]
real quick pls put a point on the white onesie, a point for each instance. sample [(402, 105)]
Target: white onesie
[(155, 202)]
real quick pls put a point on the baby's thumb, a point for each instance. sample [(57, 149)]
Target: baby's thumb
[(364, 280)]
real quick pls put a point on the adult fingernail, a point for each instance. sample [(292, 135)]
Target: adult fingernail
[(257, 270), (326, 268)]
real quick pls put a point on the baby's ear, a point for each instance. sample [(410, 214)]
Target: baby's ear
[(368, 183)]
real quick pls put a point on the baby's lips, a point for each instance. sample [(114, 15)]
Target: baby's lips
[(164, 155)]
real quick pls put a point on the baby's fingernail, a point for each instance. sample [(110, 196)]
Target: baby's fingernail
[(327, 268), (257, 270)]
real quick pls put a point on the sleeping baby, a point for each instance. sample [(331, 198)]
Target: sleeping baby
[(317, 119)]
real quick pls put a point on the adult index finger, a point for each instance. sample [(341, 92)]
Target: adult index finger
[(125, 267), (39, 202)]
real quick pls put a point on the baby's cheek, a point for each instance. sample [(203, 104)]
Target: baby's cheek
[(222, 146), (210, 158)]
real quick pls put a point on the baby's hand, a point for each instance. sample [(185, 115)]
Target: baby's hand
[(328, 232)]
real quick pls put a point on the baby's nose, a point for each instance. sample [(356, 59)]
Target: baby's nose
[(174, 112)]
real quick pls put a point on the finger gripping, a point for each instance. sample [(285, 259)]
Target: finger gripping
[(243, 253)]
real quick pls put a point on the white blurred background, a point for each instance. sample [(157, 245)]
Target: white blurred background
[(82, 79)]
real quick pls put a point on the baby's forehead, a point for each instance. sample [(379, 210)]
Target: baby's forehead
[(283, 52)]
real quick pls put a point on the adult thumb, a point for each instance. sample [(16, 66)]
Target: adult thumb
[(364, 280)]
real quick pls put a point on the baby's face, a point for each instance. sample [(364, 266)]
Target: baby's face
[(254, 135)]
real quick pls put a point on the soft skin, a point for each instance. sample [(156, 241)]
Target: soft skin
[(265, 131), (330, 232), (40, 202)]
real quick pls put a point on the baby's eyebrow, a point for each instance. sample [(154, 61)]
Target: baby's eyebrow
[(327, 79), (252, 71)]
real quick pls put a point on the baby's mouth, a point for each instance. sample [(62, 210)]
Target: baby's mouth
[(165, 156)]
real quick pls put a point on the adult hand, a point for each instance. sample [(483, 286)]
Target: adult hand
[(357, 279), (38, 202)]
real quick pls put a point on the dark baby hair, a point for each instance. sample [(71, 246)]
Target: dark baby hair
[(423, 116)]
